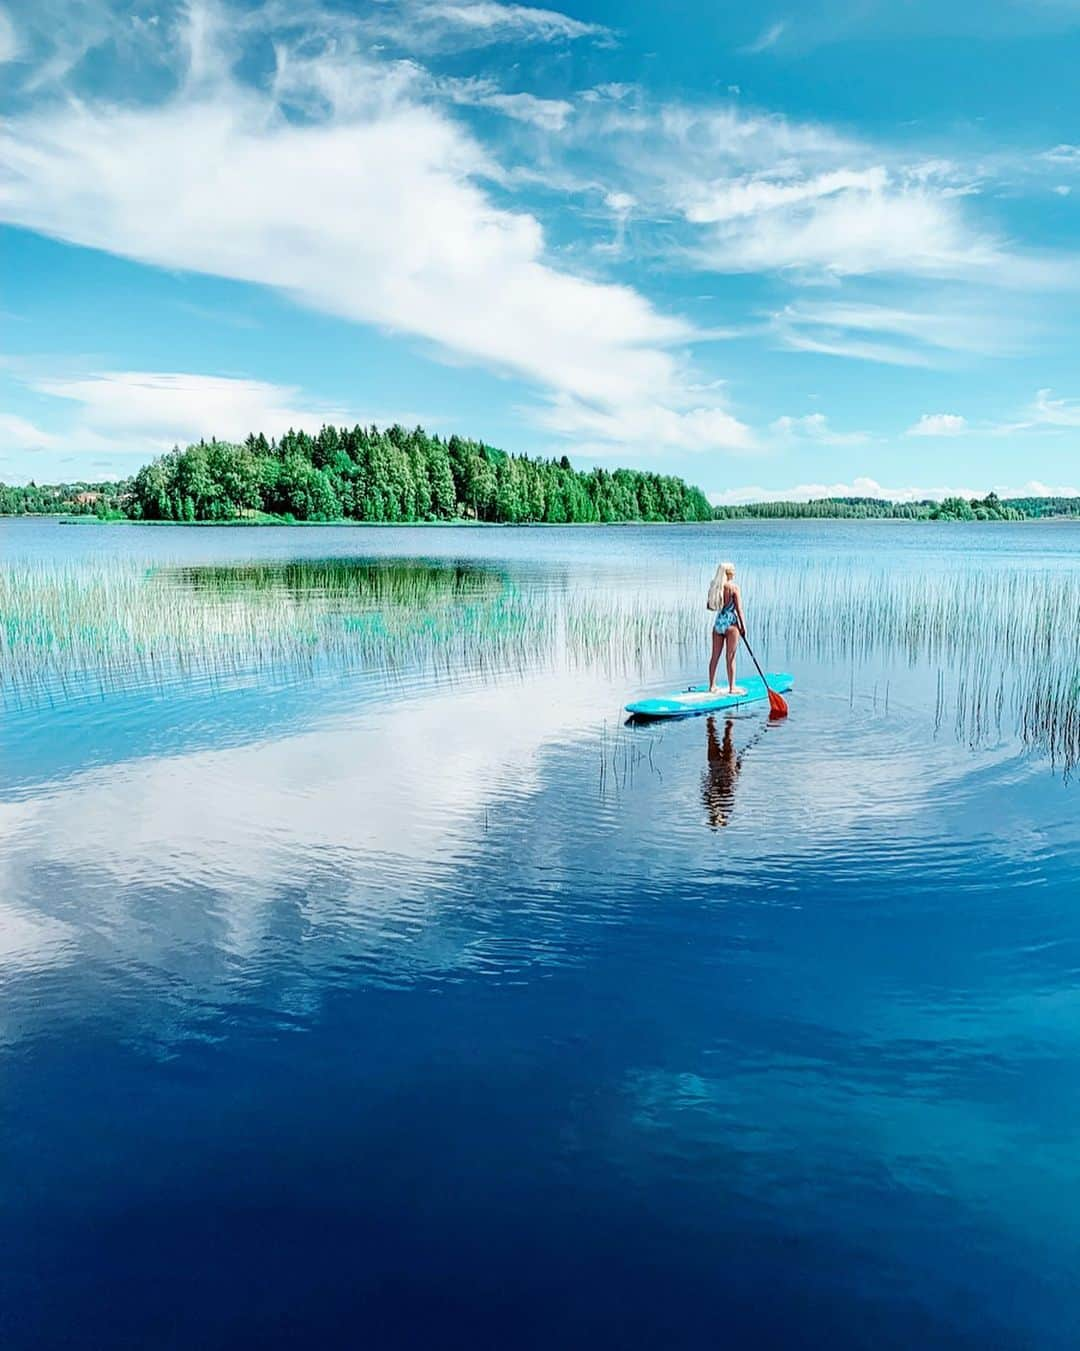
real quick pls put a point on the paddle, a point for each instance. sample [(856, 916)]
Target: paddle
[(777, 704)]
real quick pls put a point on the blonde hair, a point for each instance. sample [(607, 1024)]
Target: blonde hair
[(724, 573)]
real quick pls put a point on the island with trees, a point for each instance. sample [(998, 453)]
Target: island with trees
[(370, 475), (397, 476)]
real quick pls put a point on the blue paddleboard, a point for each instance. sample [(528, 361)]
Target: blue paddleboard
[(697, 699)]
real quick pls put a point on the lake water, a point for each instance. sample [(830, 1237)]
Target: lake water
[(365, 981)]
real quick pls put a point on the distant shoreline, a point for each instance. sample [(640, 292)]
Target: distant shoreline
[(69, 518)]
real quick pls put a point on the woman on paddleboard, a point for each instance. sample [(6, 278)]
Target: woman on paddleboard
[(730, 621)]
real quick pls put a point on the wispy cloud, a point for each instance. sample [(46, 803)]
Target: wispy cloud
[(836, 343), (814, 429), (893, 334), (954, 325), (9, 42), (1044, 415), (644, 425), (489, 20), (871, 226), (938, 424), (769, 37), (547, 114), (18, 434), (1063, 154), (517, 19), (150, 411), (1052, 412), (429, 26), (734, 199)]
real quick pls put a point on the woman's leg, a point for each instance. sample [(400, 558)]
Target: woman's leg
[(714, 660), (732, 640)]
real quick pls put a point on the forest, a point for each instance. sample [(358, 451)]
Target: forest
[(394, 475)]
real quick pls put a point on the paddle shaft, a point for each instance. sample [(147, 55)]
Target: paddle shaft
[(754, 659)]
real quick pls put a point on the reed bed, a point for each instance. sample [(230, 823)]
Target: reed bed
[(1009, 641), (68, 631)]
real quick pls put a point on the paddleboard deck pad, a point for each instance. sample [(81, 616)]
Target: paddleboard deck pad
[(697, 699)]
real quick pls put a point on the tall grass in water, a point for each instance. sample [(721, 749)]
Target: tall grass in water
[(1007, 642), (83, 630)]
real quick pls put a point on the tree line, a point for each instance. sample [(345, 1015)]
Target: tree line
[(1046, 506), (988, 508), (69, 499), (394, 475)]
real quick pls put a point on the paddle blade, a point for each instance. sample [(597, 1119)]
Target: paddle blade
[(777, 705)]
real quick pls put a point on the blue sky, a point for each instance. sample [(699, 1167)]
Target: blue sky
[(777, 249)]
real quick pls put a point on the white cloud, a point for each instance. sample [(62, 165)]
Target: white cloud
[(56, 36), (372, 211), (17, 434), (814, 427), (613, 91), (768, 38), (954, 326), (689, 144), (9, 42), (547, 114), (1045, 415), (858, 349), (637, 427), (1055, 412), (490, 21), (730, 199), (855, 231), (425, 26), (1035, 488), (153, 410), (938, 424), (1063, 154)]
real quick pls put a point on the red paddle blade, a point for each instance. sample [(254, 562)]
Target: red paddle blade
[(777, 705)]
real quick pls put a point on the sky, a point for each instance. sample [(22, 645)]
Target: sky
[(779, 249)]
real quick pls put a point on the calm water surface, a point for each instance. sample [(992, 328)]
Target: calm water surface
[(384, 989)]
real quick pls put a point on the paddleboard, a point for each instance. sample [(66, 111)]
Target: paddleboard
[(697, 699)]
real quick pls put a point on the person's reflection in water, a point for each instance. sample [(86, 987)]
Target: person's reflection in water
[(718, 781)]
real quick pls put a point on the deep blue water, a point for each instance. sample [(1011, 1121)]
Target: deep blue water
[(345, 1010)]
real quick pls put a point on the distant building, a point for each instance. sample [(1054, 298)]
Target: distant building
[(87, 499)]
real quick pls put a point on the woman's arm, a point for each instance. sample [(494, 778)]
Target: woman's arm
[(737, 596)]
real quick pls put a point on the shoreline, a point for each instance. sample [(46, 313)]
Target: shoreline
[(62, 518), (66, 518)]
